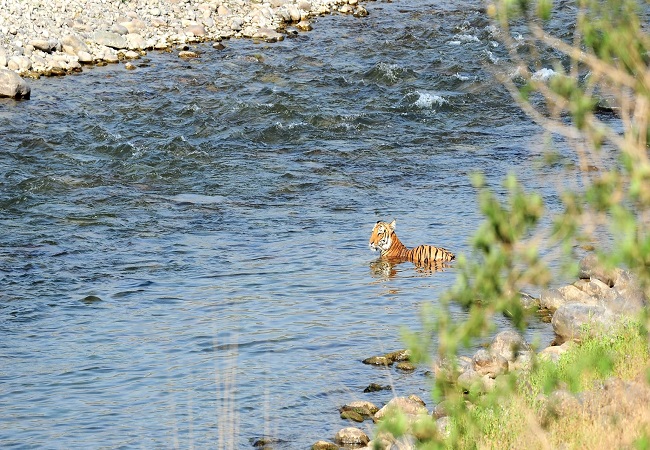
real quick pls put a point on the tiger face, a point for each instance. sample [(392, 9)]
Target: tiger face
[(381, 237)]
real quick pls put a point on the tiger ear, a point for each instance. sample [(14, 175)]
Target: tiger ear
[(392, 225)]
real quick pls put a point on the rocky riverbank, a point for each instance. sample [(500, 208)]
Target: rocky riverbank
[(61, 37), (596, 304)]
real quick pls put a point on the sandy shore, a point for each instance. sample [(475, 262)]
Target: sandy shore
[(58, 37)]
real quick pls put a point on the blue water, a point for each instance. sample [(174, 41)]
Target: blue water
[(183, 256)]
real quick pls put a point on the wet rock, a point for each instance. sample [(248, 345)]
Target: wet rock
[(374, 387), (487, 363), (378, 361), (187, 54), (268, 35), (574, 321), (388, 359), (129, 66), (324, 445), (363, 408), (13, 86), (352, 415), (406, 366), (351, 436), (304, 25), (406, 405)]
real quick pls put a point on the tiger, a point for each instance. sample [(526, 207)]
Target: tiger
[(384, 239)]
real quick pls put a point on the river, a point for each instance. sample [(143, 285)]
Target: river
[(184, 255)]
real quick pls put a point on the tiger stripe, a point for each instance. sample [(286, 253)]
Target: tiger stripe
[(385, 239)]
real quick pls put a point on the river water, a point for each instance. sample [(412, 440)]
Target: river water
[(184, 252)]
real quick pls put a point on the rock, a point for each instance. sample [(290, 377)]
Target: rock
[(378, 361), (551, 299), (43, 45), (554, 298), (135, 41), (304, 25), (268, 35), (406, 366), (13, 86), (630, 297), (444, 426), (512, 346), (447, 370), (186, 54), (195, 29), (85, 57), (72, 45), (352, 415), (218, 46), (591, 268), (363, 408), (374, 387), (351, 436), (360, 11), (486, 363), (19, 63), (573, 320), (406, 405), (109, 39), (399, 355), (324, 445), (470, 380), (509, 344), (129, 66), (529, 302), (554, 352)]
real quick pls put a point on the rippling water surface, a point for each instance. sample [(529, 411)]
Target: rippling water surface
[(183, 257)]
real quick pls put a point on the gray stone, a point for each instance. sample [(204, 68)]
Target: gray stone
[(509, 344), (72, 45), (351, 436), (486, 363), (43, 45), (135, 41), (406, 405), (591, 268), (19, 63), (12, 85), (109, 39), (574, 321)]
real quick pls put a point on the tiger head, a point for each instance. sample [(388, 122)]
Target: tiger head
[(382, 236)]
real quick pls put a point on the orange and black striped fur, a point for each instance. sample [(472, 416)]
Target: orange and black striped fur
[(384, 239)]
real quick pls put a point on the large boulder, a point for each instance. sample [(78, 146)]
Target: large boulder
[(511, 345), (13, 86), (575, 321)]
